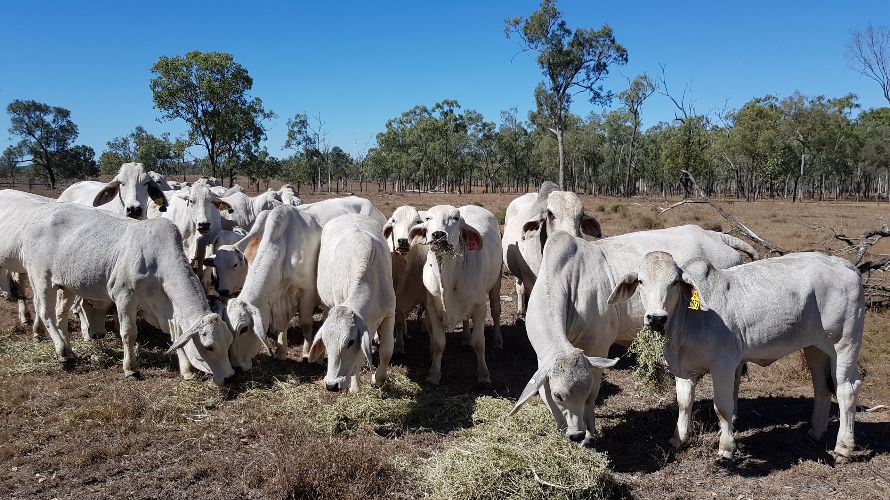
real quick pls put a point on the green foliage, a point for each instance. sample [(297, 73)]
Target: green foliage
[(210, 92), (45, 132)]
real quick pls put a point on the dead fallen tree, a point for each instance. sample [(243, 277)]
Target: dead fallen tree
[(856, 250)]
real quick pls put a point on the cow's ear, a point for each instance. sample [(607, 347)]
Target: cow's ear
[(387, 229), (317, 351), (157, 195), (364, 338), (209, 262), (590, 226), (532, 227), (625, 289), (107, 193), (691, 289), (223, 206), (532, 388), (472, 238), (417, 234)]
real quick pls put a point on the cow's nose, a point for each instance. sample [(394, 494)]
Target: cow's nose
[(438, 235), (332, 386), (203, 227), (134, 211), (656, 320), (576, 436), (403, 242)]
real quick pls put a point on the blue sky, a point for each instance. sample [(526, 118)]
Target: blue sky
[(359, 63)]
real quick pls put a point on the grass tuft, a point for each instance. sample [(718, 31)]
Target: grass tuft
[(517, 457), (651, 370)]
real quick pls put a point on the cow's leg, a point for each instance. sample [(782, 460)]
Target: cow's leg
[(437, 344), (399, 329), (64, 303), (126, 316), (466, 334), (847, 376), (24, 318), (685, 399), (385, 332), (307, 307), (724, 404), (494, 303), (45, 308), (520, 298), (819, 364), (477, 341)]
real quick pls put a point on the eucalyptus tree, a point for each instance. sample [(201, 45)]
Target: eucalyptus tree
[(639, 89), (573, 62), (210, 92), (45, 134), (869, 54)]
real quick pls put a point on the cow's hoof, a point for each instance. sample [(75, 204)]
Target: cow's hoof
[(843, 451), (68, 364), (676, 443), (433, 380), (588, 443), (133, 377)]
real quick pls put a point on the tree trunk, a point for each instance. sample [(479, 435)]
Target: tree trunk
[(562, 158)]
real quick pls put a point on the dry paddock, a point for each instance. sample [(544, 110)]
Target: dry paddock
[(275, 432)]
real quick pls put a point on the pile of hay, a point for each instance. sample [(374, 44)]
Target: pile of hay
[(651, 371), (382, 410), (517, 457)]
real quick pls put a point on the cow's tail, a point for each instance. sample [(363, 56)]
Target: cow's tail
[(737, 244)]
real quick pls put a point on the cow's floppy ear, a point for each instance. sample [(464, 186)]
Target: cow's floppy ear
[(625, 289), (472, 237), (185, 336), (417, 234), (590, 226), (317, 351), (157, 195), (223, 206), (533, 226), (107, 193), (387, 229), (690, 287), (532, 388), (365, 338), (598, 362)]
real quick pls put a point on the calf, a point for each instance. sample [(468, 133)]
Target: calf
[(127, 194), (135, 264), (756, 312), (462, 273), (407, 267), (355, 284)]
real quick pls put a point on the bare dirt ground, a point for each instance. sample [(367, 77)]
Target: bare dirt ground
[(90, 434)]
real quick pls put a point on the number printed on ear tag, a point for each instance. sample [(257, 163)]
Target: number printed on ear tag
[(694, 301)]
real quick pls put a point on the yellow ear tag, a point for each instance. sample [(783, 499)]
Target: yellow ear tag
[(158, 201), (224, 206), (694, 301)]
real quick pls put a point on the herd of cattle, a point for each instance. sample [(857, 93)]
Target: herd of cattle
[(156, 248)]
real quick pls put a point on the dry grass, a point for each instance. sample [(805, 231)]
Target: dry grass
[(520, 457), (651, 370)]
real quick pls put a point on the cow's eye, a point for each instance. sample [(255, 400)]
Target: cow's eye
[(558, 397), (429, 218), (549, 214), (350, 343), (236, 265)]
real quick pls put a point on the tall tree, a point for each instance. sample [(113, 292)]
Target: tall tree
[(639, 89), (46, 133), (573, 62), (869, 54), (210, 92)]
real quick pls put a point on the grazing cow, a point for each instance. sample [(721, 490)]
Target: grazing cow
[(407, 267), (568, 310), (127, 194), (280, 280), (462, 273), (355, 285), (135, 264), (245, 209), (529, 219), (757, 312)]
